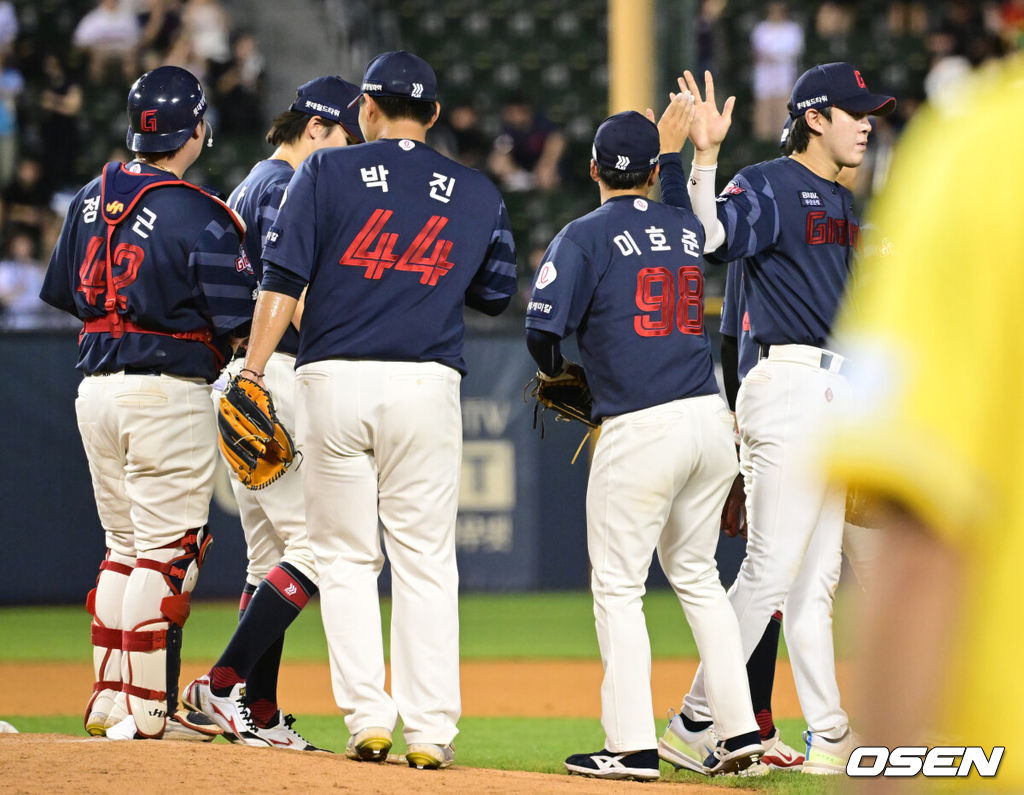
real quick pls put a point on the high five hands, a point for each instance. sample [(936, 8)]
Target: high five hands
[(709, 126)]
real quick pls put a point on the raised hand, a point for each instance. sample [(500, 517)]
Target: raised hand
[(674, 126), (709, 126)]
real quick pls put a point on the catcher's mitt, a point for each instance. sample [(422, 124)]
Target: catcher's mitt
[(566, 393), (255, 444)]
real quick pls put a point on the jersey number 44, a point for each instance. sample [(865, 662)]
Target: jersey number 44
[(373, 249)]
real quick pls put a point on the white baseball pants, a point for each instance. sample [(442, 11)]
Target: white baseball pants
[(658, 479), (795, 526), (274, 518), (384, 440)]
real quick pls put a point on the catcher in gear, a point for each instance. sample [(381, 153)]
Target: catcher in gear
[(665, 459), (154, 268)]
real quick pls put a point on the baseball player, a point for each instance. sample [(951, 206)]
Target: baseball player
[(240, 692), (795, 229), (392, 240), (739, 355), (628, 280), (154, 268)]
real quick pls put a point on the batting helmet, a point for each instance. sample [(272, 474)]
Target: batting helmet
[(164, 107)]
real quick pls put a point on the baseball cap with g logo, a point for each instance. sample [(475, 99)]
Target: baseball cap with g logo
[(399, 74), (839, 85), (627, 141)]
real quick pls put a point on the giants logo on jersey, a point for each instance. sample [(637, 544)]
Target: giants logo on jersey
[(822, 229)]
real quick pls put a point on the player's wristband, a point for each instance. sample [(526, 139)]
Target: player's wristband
[(251, 371)]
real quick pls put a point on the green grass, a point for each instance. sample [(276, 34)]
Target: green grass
[(512, 744), (493, 627)]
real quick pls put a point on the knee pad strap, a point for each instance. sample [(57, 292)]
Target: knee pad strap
[(106, 637)]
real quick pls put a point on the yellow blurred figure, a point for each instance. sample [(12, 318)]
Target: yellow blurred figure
[(936, 434)]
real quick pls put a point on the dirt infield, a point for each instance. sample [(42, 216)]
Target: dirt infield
[(528, 688), (35, 763)]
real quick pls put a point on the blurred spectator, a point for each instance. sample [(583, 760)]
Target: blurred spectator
[(109, 34), (26, 204), (710, 11), (160, 21), (460, 137), (8, 25), (239, 89), (527, 153), (948, 70), (11, 85), (777, 42), (21, 277), (833, 24), (60, 102), (205, 27)]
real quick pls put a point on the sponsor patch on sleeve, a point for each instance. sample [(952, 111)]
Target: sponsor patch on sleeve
[(272, 237), (732, 189), (540, 309)]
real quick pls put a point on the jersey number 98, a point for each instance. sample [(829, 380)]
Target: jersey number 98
[(666, 301)]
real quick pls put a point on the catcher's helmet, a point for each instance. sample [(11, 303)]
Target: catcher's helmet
[(164, 107)]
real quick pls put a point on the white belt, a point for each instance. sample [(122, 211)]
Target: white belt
[(804, 354)]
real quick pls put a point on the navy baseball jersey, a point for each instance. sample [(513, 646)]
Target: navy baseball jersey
[(156, 272), (393, 239), (736, 320), (256, 200), (628, 279), (796, 233)]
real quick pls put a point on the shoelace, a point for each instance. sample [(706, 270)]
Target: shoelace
[(243, 710)]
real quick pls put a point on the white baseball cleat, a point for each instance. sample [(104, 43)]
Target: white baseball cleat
[(282, 735), (429, 756), (826, 756), (686, 749), (229, 712), (369, 745), (779, 756)]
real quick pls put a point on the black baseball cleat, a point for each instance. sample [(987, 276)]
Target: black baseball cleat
[(721, 761), (636, 765)]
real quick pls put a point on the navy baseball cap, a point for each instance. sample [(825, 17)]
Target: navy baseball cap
[(330, 97), (400, 74), (840, 85), (627, 141)]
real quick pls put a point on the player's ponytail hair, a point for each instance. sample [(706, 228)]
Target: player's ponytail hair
[(800, 132), (288, 127)]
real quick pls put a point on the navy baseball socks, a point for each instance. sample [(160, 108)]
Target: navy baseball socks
[(259, 638), (761, 675)]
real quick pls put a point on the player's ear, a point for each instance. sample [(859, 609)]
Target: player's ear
[(593, 171), (437, 114), (654, 175)]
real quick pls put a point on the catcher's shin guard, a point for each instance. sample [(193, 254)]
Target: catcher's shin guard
[(156, 606), (104, 604)]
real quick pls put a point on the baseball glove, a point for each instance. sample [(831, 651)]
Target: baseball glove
[(566, 393), (255, 444)]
